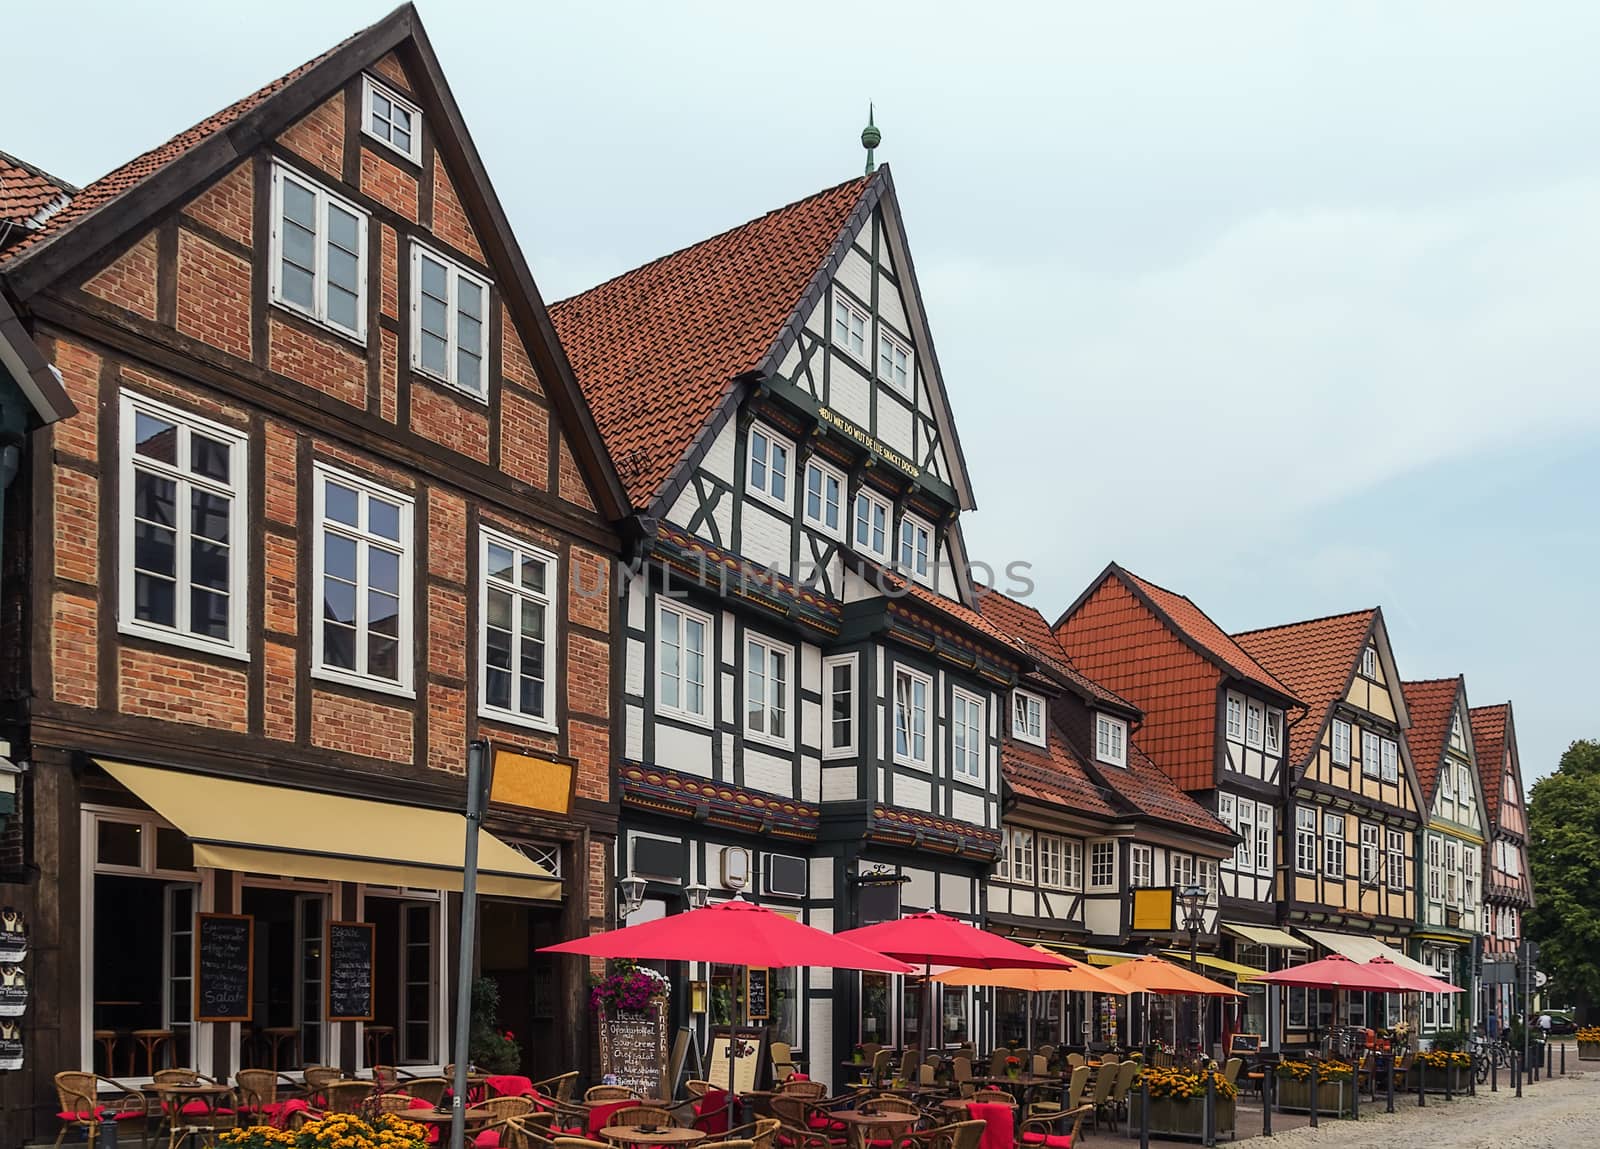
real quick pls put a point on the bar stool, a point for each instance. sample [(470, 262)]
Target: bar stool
[(279, 1036), (154, 1042), (108, 1045), (376, 1036)]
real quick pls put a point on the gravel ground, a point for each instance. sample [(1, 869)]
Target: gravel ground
[(1562, 1113)]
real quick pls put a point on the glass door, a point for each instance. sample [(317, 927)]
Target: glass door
[(177, 1005), (310, 922), (417, 984)]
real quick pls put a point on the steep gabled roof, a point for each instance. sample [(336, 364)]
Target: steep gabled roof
[(1316, 660), (1053, 776), (1431, 703), (1146, 787), (1490, 725), (1027, 628), (29, 197)]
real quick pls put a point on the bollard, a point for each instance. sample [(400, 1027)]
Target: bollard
[(1472, 1074), (1563, 1059), (1355, 1091), (1422, 1073), (1313, 1092), (1448, 1076), (1144, 1113), (1391, 1079), (1494, 1074), (1209, 1118), (1516, 1070), (1268, 1078), (1549, 1056)]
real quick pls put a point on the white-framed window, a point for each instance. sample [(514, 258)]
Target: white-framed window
[(1435, 868), (1391, 760), (1263, 839), (1305, 840), (1021, 855), (183, 568), (916, 548), (1469, 879), (1370, 858), (966, 728), (1333, 845), (1369, 662), (1141, 867), (1244, 852), (1072, 866), (1447, 783), (1274, 730), (1102, 865), (871, 524), (1452, 873), (1226, 805), (766, 693), (1341, 742), (1027, 717), (363, 580), (1458, 738), (1181, 868), (1207, 876), (1235, 718), (1052, 861), (767, 472), (683, 642), (390, 118), (449, 322), (1370, 754), (896, 364), (1111, 740), (912, 689), (1252, 724), (824, 498), (319, 254), (850, 326), (839, 706), (518, 611)]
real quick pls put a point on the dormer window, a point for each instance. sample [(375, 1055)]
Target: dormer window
[(895, 362), (1253, 721), (1110, 740), (1457, 738), (1369, 662), (1274, 730), (850, 324), (391, 119), (1235, 718), (1027, 717)]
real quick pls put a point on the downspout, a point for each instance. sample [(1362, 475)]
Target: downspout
[(10, 464)]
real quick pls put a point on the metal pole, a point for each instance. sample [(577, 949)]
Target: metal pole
[(1391, 1078), (1422, 1084), (1210, 1118), (478, 771), (1267, 1081), (1548, 1056), (1313, 1093), (1563, 1059), (1494, 1074), (1516, 1071), (1144, 1112), (1447, 1078), (1355, 1091)]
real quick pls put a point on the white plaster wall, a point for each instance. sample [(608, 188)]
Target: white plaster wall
[(968, 808), (849, 393), (763, 771), (685, 750), (633, 671), (855, 273), (838, 783), (765, 537), (633, 733)]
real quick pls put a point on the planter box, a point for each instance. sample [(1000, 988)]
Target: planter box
[(1589, 1051), (1172, 1117), (1334, 1098), (1435, 1080)]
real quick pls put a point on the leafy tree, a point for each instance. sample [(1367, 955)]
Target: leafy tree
[(1564, 859)]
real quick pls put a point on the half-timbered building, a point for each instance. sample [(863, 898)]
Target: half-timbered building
[(1508, 889), (1354, 807), (327, 515), (811, 707), (1216, 721)]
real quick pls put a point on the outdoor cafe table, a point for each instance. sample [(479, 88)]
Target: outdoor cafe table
[(862, 1125), (444, 1116), (174, 1097), (652, 1134)]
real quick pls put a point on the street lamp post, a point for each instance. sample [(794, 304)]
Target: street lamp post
[(1192, 901)]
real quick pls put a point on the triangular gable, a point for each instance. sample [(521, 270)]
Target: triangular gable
[(1431, 704), (120, 206)]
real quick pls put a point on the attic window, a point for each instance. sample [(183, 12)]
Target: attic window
[(1111, 740), (1027, 717), (894, 361), (391, 120), (1369, 662), (850, 324)]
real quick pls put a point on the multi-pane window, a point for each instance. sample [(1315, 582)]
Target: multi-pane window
[(1208, 880), (1252, 723), (450, 325), (363, 574), (1305, 840), (1333, 845), (1182, 867), (1369, 662), (1370, 754), (1447, 784), (1244, 852), (1141, 866), (682, 640), (1235, 718), (1391, 760), (916, 547), (839, 705), (182, 538), (1111, 740), (850, 323), (1102, 865), (871, 524), (1435, 868), (1274, 730), (1370, 858), (967, 735), (1027, 717), (1052, 861), (1458, 738), (391, 119), (894, 362), (911, 691), (319, 253), (1469, 880), (1021, 855), (766, 696), (824, 497), (768, 473), (1452, 873), (518, 610), (1263, 838), (1341, 742), (1072, 871)]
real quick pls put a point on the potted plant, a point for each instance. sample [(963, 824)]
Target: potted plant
[(335, 1131), (1335, 1097), (1178, 1101), (1589, 1043), (1013, 1066), (1444, 1070), (490, 1048), (858, 1056)]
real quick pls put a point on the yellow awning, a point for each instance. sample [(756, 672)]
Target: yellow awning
[(258, 828), (1364, 947), (1240, 971), (1266, 936)]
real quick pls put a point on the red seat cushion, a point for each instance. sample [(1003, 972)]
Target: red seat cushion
[(201, 1109), (488, 1139), (1048, 1140)]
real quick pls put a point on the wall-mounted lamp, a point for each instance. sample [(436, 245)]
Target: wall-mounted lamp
[(631, 895), (698, 895)]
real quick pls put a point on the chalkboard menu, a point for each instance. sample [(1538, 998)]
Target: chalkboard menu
[(350, 971), (633, 1048), (757, 992), (1244, 1043), (224, 965)]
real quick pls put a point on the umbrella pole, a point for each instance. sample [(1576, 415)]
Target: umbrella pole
[(733, 1047)]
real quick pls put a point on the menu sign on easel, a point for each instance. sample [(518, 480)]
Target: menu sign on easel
[(633, 1048), (757, 993), (224, 963), (350, 971)]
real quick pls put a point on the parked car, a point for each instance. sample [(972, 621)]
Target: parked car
[(1561, 1021)]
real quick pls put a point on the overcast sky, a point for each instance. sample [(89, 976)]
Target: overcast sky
[(1289, 307)]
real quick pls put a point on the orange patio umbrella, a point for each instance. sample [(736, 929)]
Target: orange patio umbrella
[(1072, 976), (1153, 975)]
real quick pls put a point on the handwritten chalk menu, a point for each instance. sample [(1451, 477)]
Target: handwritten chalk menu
[(350, 971), (633, 1046), (757, 992), (746, 1044), (224, 965), (1244, 1043)]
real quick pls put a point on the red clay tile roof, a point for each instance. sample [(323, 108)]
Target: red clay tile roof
[(1430, 703), (1054, 776), (1194, 623), (1146, 787), (891, 582), (1315, 659), (656, 349), (108, 188), (28, 197), (1489, 743), (1027, 628)]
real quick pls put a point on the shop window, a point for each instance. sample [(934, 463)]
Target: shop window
[(954, 1015), (877, 1016)]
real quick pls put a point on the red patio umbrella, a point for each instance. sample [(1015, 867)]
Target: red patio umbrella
[(1335, 972), (1409, 980)]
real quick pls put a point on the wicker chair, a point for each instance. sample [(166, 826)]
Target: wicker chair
[(528, 1132), (959, 1135), (393, 1102), (430, 1089), (580, 1143), (998, 1095), (495, 1115), (810, 1090), (80, 1099), (641, 1115), (1040, 1130), (259, 1095), (559, 1087), (1105, 1079), (727, 1143), (347, 1096), (1077, 1083), (609, 1093)]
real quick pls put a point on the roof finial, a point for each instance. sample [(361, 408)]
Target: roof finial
[(871, 137)]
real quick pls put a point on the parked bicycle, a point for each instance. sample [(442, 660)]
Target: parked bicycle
[(1486, 1053)]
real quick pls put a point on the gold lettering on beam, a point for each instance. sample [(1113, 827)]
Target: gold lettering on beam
[(856, 435)]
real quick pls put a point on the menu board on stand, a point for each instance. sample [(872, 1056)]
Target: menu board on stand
[(746, 1041), (633, 1048)]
